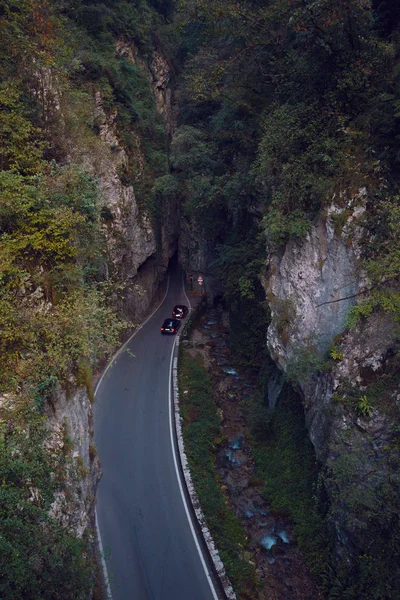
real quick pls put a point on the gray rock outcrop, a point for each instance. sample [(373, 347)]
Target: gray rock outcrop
[(70, 419), (346, 376)]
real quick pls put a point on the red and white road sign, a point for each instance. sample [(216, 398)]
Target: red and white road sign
[(200, 280)]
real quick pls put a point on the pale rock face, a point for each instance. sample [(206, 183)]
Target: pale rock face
[(47, 91), (304, 287), (365, 351), (313, 284), (311, 287), (72, 416), (137, 259), (366, 356), (137, 256), (131, 239), (160, 80), (133, 235), (69, 418)]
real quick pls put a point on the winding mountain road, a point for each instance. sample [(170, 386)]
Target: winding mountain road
[(141, 513)]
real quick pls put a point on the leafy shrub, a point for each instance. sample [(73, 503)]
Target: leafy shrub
[(52, 318), (305, 362)]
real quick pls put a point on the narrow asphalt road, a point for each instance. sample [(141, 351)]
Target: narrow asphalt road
[(144, 527)]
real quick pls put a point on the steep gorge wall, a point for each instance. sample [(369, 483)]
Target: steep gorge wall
[(70, 418), (313, 284), (139, 248), (137, 260), (305, 139), (346, 376)]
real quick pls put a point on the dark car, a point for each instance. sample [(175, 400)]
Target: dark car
[(180, 311), (170, 326)]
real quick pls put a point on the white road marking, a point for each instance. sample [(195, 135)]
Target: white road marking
[(103, 560), (111, 362), (127, 342), (214, 554), (209, 579)]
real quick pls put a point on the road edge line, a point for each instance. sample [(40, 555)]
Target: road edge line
[(183, 496), (212, 550), (110, 363), (118, 352), (103, 560)]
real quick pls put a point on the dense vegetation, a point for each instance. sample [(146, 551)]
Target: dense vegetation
[(39, 557), (285, 105), (57, 307), (288, 106), (285, 460), (53, 245)]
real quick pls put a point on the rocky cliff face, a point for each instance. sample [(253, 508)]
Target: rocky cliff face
[(131, 238), (71, 422), (313, 284), (347, 377), (138, 257), (196, 254), (139, 249), (160, 76), (139, 254)]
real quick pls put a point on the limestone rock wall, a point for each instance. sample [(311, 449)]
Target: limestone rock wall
[(160, 74), (350, 394), (70, 419), (196, 254), (138, 254), (313, 284), (137, 257), (131, 239)]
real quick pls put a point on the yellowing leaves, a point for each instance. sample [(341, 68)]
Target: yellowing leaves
[(52, 313), (21, 145)]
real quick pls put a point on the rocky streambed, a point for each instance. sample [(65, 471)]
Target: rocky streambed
[(271, 546)]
